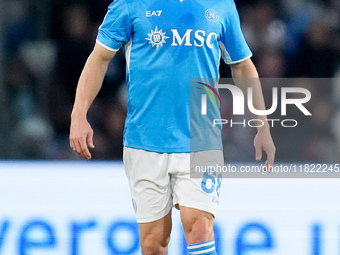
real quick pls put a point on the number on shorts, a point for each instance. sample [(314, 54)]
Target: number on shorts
[(208, 183)]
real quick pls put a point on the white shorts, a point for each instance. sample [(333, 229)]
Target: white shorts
[(159, 181)]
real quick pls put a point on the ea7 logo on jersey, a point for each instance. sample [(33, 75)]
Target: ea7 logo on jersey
[(153, 13)]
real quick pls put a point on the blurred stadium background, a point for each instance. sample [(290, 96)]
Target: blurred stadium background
[(43, 47)]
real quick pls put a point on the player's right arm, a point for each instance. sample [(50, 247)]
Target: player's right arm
[(89, 84), (245, 76)]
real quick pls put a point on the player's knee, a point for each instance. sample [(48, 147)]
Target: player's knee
[(153, 245), (199, 229)]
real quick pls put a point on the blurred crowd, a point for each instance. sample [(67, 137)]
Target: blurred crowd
[(46, 43)]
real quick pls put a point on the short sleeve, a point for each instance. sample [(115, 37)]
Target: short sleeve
[(116, 27), (233, 45)]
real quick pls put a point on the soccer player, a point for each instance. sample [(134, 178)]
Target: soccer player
[(166, 43)]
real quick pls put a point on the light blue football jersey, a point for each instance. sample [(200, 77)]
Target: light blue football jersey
[(166, 44)]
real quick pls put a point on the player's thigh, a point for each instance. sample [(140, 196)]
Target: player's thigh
[(156, 233)]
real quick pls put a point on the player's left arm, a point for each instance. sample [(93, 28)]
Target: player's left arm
[(245, 75)]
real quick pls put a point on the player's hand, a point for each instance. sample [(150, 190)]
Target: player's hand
[(263, 142), (81, 137)]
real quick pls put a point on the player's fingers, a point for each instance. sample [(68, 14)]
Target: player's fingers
[(71, 145), (270, 164), (76, 147), (271, 154), (258, 153), (90, 139), (267, 167), (270, 158), (84, 151)]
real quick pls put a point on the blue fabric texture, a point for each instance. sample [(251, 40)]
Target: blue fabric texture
[(166, 44)]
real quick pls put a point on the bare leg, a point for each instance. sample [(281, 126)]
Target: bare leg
[(155, 236), (197, 224)]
